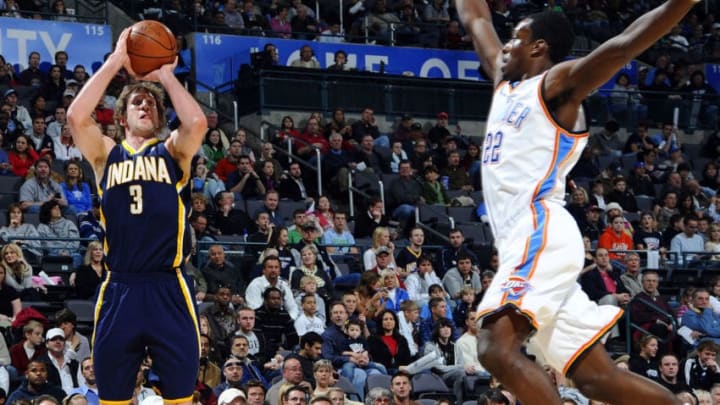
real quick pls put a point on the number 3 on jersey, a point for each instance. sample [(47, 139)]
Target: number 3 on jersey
[(136, 205), (491, 152)]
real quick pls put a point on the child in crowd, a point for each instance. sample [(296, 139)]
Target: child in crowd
[(357, 344), (308, 321), (467, 297), (308, 286), (436, 290)]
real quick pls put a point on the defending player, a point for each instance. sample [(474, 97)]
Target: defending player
[(145, 301), (536, 132)]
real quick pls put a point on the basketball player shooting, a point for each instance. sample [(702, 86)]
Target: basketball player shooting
[(536, 131), (145, 300)]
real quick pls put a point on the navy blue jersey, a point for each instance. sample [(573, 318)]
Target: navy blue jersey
[(144, 209)]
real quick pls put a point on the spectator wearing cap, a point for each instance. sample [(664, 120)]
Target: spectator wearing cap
[(621, 195), (61, 370), (593, 225), (639, 181), (402, 133), (67, 98), (440, 131), (18, 112), (233, 373), (232, 396)]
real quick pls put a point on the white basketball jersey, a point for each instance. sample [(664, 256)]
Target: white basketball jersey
[(526, 154)]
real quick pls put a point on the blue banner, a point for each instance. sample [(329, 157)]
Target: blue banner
[(218, 57), (86, 44)]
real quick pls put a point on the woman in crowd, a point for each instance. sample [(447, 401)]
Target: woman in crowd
[(92, 272), (713, 243), (287, 129), (212, 148), (644, 362), (18, 273), (54, 225), (203, 180), (369, 295), (76, 190), (323, 213), (325, 377), (78, 346), (309, 267), (17, 228), (268, 176), (578, 205), (395, 295), (471, 160), (441, 341), (380, 238), (710, 178), (22, 157), (388, 347), (433, 192), (279, 242)]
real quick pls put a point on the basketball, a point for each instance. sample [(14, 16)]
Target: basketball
[(149, 46)]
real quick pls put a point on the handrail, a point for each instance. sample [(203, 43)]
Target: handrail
[(352, 190), (631, 325)]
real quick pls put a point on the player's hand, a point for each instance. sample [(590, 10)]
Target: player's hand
[(120, 51), (161, 74)]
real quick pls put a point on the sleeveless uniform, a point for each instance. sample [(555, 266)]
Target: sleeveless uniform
[(526, 157), (145, 300)]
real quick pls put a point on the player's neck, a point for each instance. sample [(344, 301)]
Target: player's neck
[(137, 142)]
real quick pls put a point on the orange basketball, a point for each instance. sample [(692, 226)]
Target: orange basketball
[(150, 45)]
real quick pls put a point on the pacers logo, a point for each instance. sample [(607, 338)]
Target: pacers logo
[(516, 285)]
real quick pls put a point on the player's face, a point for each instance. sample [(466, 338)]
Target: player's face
[(514, 52), (141, 114)]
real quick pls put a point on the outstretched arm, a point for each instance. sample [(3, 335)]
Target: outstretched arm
[(85, 132), (477, 19), (577, 78), (185, 141)]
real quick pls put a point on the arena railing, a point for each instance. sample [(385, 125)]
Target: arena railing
[(632, 327)]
